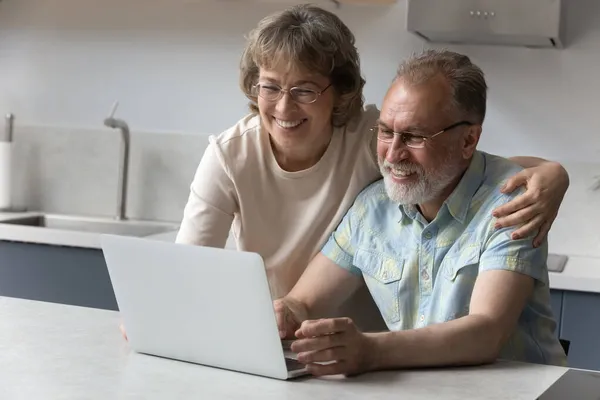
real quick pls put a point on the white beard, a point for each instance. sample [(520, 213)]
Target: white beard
[(429, 184)]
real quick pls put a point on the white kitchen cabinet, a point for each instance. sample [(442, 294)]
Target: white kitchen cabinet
[(55, 274)]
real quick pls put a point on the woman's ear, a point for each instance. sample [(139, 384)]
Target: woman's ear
[(471, 139)]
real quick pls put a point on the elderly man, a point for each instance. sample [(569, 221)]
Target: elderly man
[(452, 287)]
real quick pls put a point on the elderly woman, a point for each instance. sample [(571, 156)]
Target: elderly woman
[(283, 176)]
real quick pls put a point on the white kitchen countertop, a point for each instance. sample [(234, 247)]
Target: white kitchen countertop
[(581, 273), (63, 237), (52, 351)]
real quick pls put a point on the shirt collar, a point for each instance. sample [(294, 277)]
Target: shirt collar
[(459, 201), (408, 211)]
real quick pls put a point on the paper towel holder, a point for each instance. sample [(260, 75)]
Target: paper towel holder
[(8, 131), (8, 138)]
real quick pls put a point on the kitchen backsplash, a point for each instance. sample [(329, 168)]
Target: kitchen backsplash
[(76, 171)]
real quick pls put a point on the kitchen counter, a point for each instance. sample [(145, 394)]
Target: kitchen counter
[(581, 274), (51, 351), (65, 237)]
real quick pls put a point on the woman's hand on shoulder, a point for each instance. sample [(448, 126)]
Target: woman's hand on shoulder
[(537, 208)]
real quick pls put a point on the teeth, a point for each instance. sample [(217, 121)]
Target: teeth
[(288, 124), (402, 173)]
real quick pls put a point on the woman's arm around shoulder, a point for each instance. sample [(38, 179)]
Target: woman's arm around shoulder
[(546, 183)]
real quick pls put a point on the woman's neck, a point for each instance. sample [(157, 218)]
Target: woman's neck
[(294, 159)]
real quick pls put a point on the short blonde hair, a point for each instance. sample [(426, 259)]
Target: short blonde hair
[(467, 81), (312, 38)]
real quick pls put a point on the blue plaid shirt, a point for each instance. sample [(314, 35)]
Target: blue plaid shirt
[(422, 273)]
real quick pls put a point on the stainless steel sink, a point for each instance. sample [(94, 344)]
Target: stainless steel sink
[(94, 225)]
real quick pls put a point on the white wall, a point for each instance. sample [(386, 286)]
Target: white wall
[(173, 66)]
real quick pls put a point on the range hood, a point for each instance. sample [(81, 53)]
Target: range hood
[(526, 23)]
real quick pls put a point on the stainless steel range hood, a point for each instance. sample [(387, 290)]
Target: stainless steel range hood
[(526, 23)]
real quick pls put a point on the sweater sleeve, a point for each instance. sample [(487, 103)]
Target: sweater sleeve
[(211, 204)]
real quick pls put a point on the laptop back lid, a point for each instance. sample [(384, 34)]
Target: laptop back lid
[(199, 304)]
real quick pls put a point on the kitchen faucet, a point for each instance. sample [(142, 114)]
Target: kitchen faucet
[(115, 123)]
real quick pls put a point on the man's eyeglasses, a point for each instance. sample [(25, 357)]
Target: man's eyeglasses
[(411, 139), (273, 92)]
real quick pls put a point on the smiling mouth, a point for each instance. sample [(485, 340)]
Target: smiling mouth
[(401, 174), (289, 124)]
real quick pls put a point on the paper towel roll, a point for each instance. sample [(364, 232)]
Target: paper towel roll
[(5, 174)]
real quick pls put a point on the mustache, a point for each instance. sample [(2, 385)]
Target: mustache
[(404, 167)]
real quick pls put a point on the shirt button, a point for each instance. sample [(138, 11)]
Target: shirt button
[(424, 275), (428, 235), (422, 318)]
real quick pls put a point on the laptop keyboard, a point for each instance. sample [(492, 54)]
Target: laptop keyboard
[(290, 357), (293, 365)]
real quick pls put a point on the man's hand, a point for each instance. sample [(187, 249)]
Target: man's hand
[(538, 207), (289, 315), (333, 346)]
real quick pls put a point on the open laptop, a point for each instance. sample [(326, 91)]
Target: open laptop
[(197, 304)]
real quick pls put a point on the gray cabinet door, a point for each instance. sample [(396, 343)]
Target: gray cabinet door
[(581, 325), (56, 274)]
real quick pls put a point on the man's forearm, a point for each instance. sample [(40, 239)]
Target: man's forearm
[(323, 287), (469, 340)]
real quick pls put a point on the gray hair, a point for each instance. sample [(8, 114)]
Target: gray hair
[(467, 81), (315, 39)]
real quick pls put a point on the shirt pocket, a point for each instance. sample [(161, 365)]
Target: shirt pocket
[(461, 262), (382, 274), (460, 270)]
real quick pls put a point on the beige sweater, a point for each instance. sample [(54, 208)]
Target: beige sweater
[(286, 217)]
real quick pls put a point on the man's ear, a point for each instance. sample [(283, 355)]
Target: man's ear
[(471, 139)]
